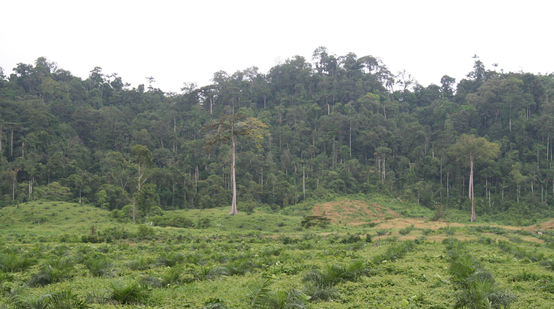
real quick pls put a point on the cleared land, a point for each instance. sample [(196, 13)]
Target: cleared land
[(374, 253)]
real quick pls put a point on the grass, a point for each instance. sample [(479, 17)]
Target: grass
[(261, 260)]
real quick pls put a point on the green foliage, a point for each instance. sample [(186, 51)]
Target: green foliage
[(171, 258), (321, 285), (214, 303), (129, 292), (311, 221), (145, 232), (147, 198), (476, 287), (394, 252), (66, 300), (406, 230), (204, 223), (227, 259), (97, 264), (262, 297), (14, 260), (173, 220), (53, 270), (54, 191), (331, 122), (351, 238)]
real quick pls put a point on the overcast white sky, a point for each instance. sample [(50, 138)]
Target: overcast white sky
[(186, 41)]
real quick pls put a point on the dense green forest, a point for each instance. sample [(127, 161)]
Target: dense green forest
[(335, 125)]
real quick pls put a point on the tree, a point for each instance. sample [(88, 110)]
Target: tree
[(473, 148), (143, 159), (229, 128), (147, 199)]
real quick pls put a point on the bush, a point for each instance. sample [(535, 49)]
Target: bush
[(394, 252), (55, 270), (311, 221), (145, 232), (129, 292), (320, 285), (350, 239), (247, 207), (98, 265), (108, 235), (141, 263), (263, 298), (172, 220), (54, 191), (66, 300), (406, 230), (204, 223), (13, 261), (475, 285), (171, 259), (214, 303), (58, 300)]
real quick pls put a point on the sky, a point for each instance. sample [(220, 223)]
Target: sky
[(179, 42)]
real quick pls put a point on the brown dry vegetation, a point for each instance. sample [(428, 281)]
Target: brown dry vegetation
[(357, 212), (353, 212)]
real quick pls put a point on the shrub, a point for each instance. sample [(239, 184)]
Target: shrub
[(350, 238), (171, 259), (263, 298), (172, 220), (204, 223), (214, 303), (248, 207), (108, 235), (145, 232), (66, 300), (59, 300), (31, 302), (475, 285), (394, 252), (175, 275), (55, 270), (141, 263), (320, 285), (13, 261), (129, 292), (98, 265), (311, 221), (406, 230)]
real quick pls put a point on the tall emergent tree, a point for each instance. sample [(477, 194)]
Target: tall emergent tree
[(229, 128), (473, 148), (143, 158)]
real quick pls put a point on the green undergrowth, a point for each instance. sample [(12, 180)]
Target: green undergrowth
[(259, 260)]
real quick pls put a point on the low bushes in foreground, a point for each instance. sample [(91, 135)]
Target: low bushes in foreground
[(475, 286)]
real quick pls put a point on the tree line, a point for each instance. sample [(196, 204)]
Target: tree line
[(335, 125)]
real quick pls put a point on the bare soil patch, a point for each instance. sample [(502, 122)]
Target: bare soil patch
[(357, 212), (419, 223), (353, 212)]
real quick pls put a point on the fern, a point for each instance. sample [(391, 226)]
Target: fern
[(260, 295)]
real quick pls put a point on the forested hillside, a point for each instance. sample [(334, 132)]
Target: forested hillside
[(336, 125)]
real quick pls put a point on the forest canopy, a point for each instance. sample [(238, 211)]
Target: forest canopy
[(336, 125)]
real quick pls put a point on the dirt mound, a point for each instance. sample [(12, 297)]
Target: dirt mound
[(353, 212)]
